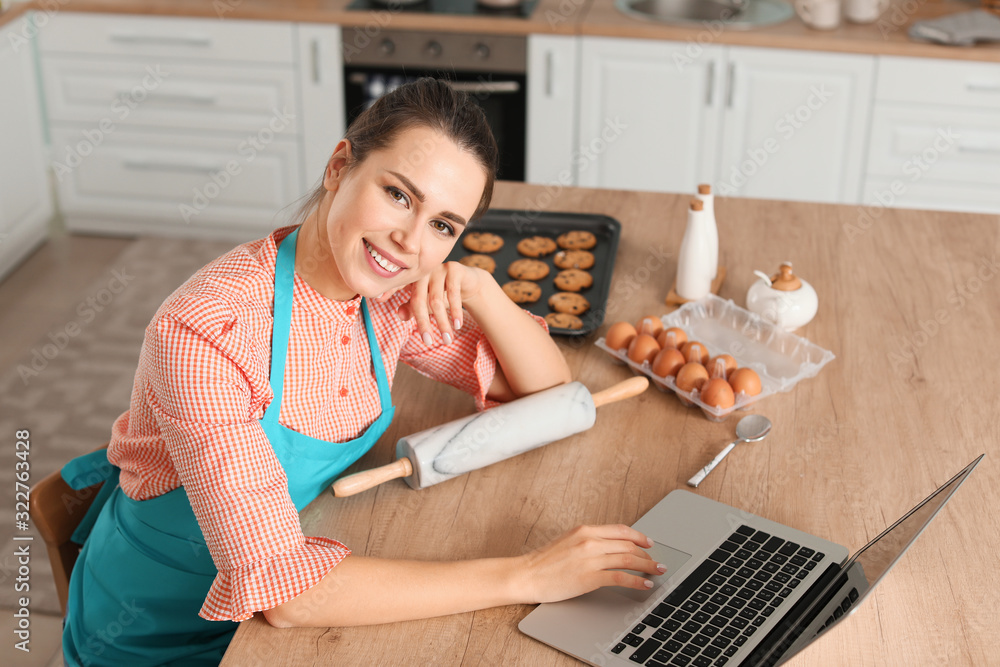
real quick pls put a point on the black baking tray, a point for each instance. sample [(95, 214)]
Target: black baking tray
[(514, 225)]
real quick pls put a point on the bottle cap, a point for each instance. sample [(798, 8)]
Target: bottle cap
[(697, 205), (785, 280), (704, 189)]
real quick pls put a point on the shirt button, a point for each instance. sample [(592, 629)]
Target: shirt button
[(350, 311), (345, 340), (343, 391)]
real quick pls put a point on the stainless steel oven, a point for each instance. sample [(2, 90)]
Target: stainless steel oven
[(491, 68)]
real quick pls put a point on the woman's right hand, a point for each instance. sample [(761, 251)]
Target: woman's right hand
[(584, 559)]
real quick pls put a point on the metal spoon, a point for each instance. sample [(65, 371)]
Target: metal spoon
[(751, 428)]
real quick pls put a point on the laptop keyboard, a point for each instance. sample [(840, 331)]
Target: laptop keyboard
[(719, 606)]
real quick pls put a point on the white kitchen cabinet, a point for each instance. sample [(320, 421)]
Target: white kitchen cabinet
[(794, 125), (176, 126), (649, 114), (25, 195), (755, 122), (321, 82), (178, 184), (935, 138), (553, 63)]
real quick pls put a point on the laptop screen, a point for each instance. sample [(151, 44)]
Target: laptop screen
[(859, 576)]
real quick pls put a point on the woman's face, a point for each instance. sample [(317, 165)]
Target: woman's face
[(394, 217)]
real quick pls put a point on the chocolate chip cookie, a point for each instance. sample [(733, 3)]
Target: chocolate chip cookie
[(573, 259), (577, 240), (573, 280), (569, 303), (528, 269), (536, 246), (484, 262), (564, 321), (482, 242), (522, 291)]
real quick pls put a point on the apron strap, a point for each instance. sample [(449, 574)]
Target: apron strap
[(84, 471), (284, 287), (385, 395)]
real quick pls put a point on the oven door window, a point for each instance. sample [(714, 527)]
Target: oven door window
[(502, 97)]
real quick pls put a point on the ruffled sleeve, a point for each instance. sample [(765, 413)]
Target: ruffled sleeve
[(197, 359)]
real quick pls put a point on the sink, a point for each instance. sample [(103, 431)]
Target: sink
[(755, 13)]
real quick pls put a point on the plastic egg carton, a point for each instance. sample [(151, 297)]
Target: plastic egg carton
[(780, 358)]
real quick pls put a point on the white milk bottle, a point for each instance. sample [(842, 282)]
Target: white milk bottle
[(706, 196), (694, 279)]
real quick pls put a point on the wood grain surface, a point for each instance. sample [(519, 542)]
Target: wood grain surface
[(909, 303)]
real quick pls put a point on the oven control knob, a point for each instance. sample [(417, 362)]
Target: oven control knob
[(482, 51), (433, 49), (387, 47)]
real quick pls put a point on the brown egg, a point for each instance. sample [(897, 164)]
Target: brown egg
[(746, 381), (667, 362), (691, 376), (678, 336), (695, 351), (650, 324), (721, 366), (643, 348), (717, 393), (619, 335), (672, 337)]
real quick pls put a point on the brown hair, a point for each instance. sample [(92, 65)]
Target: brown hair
[(429, 103)]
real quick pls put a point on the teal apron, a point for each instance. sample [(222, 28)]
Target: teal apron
[(144, 571)]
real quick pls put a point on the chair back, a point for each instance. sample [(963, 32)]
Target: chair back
[(56, 510)]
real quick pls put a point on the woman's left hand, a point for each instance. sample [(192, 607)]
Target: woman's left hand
[(441, 294)]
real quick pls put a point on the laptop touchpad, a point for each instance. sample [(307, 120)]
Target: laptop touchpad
[(661, 553)]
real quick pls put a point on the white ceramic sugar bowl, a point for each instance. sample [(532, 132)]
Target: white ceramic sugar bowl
[(784, 298)]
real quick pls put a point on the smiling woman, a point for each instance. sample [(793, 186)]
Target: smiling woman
[(268, 373)]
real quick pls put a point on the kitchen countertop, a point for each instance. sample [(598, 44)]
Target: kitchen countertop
[(334, 11), (887, 36), (907, 303), (578, 17)]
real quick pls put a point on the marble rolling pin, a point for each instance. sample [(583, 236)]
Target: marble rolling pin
[(490, 436)]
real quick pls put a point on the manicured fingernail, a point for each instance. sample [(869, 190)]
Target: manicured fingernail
[(649, 541), (661, 568), (458, 324), (647, 583), (427, 338), (447, 338)]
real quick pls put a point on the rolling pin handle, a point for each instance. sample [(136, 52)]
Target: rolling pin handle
[(362, 481), (626, 389)]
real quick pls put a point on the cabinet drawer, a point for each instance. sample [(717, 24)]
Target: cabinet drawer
[(148, 92), (932, 81), (930, 196), (954, 146), (184, 180), (168, 37)]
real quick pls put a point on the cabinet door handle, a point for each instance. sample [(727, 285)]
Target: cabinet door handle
[(191, 39), (194, 98), (156, 165), (549, 67), (730, 85), (710, 83), (314, 55), (982, 150), (491, 87), (982, 88)]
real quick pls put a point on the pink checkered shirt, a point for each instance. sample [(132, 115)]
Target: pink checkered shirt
[(202, 385)]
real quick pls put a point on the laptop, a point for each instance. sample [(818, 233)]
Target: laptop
[(739, 589)]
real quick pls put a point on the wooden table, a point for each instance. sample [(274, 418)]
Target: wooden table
[(909, 303)]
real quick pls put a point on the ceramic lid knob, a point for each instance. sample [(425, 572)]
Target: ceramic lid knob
[(785, 280)]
